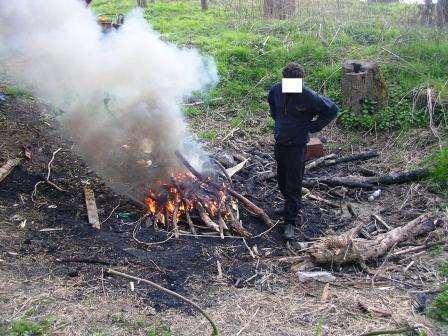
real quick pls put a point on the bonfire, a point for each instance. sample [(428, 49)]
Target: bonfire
[(197, 202)]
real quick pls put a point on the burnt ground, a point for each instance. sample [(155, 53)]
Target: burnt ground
[(47, 244)]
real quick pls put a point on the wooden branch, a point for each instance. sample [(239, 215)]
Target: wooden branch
[(205, 217), (336, 182), (334, 161), (92, 211), (235, 222), (169, 292), (8, 167), (347, 248), (382, 222), (222, 225), (175, 220), (306, 193), (369, 182), (190, 224), (319, 162), (257, 211)]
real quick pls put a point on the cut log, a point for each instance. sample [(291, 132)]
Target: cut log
[(92, 211), (8, 167), (348, 248), (362, 81)]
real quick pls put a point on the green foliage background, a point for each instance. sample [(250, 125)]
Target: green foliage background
[(250, 54)]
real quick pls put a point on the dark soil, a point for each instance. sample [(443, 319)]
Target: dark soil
[(26, 124)]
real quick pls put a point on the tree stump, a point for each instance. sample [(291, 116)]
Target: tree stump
[(279, 9), (362, 81)]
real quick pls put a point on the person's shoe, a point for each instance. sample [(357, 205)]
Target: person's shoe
[(288, 231)]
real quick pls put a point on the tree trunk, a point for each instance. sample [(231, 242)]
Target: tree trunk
[(204, 5), (362, 81), (279, 9), (442, 12)]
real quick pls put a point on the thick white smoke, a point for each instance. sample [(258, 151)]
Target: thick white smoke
[(121, 93)]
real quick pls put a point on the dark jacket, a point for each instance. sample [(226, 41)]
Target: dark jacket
[(295, 114)]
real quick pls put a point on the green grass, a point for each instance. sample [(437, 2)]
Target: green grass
[(439, 170), (16, 91), (250, 54), (439, 308), (27, 328), (444, 270)]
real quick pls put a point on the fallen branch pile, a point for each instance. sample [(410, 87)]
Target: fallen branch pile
[(349, 248)]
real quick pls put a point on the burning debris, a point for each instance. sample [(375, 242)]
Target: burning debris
[(187, 199)]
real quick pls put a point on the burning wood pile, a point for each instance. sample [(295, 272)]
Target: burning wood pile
[(189, 198), (185, 200)]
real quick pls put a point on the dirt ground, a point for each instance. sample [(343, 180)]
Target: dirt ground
[(52, 262)]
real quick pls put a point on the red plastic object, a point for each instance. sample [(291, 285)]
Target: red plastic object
[(314, 149)]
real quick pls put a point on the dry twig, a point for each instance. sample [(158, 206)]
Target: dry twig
[(169, 292)]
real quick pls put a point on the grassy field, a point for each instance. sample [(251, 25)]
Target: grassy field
[(251, 51)]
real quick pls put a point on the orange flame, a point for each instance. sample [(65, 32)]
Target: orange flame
[(180, 196)]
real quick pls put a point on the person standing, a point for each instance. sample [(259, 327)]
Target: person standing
[(296, 115)]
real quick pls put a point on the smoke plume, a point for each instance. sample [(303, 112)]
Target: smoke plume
[(120, 92)]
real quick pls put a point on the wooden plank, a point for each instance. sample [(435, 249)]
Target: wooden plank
[(8, 167), (92, 211)]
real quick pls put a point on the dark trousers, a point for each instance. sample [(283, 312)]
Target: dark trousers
[(290, 168)]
